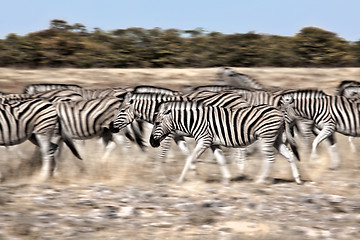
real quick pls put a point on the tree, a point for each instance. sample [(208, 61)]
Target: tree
[(319, 47)]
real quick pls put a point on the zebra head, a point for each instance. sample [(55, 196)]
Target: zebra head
[(352, 93), (124, 117), (162, 125)]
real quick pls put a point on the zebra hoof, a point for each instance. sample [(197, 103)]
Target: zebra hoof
[(266, 181), (225, 182), (299, 182)]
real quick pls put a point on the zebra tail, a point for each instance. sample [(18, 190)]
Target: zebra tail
[(290, 139), (67, 139)]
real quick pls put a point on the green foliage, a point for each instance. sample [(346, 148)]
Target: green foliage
[(65, 45)]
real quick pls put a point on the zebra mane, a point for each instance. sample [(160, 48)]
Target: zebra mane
[(154, 89), (15, 97), (41, 87), (155, 97), (313, 92)]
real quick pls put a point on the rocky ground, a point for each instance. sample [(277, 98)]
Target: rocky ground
[(128, 197)]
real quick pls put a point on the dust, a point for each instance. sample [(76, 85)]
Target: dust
[(128, 167)]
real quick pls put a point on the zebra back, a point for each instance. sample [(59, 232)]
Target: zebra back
[(224, 98), (58, 95), (89, 94), (43, 87)]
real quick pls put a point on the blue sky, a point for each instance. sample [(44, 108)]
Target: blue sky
[(279, 17)]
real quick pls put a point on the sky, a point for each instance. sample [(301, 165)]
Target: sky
[(276, 17)]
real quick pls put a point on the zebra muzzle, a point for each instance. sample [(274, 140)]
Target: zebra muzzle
[(154, 142), (112, 128)]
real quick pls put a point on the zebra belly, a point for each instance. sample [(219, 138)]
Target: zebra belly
[(14, 140)]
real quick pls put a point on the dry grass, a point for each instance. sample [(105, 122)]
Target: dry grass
[(137, 166)]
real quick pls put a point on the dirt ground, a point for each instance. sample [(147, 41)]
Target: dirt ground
[(130, 196)]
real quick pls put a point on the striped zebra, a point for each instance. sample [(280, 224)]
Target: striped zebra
[(351, 90), (213, 127), (91, 118), (35, 120), (142, 106), (44, 87), (230, 77), (329, 114)]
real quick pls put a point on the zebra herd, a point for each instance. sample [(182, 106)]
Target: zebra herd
[(235, 112)]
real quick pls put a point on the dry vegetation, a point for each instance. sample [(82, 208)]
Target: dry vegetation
[(136, 169)]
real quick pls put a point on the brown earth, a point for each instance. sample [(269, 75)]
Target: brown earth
[(129, 197)]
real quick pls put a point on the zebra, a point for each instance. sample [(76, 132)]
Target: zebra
[(351, 90), (35, 120), (91, 118), (89, 93), (144, 105), (54, 95), (329, 114), (213, 127), (141, 106), (44, 87), (230, 77)]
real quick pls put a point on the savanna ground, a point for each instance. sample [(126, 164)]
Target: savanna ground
[(129, 197)]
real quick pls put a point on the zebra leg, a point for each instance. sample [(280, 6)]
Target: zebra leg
[(334, 154), (181, 143), (110, 146), (290, 157), (240, 159), (323, 134), (268, 160), (121, 140), (200, 147), (218, 153), (352, 145), (47, 157)]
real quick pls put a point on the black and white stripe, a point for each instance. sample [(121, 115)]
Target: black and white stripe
[(91, 118), (35, 120), (231, 127), (351, 90), (329, 114)]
